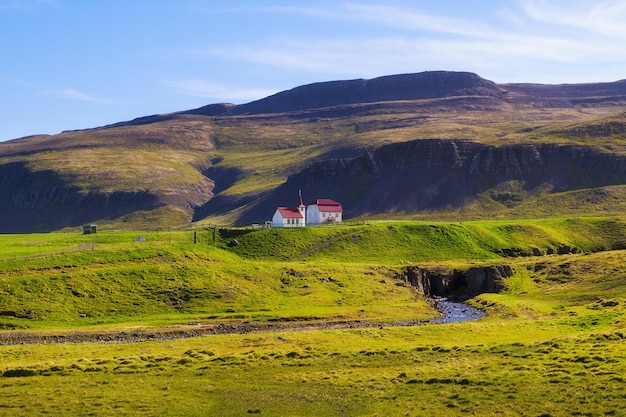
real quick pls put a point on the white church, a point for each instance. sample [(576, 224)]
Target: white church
[(320, 211)]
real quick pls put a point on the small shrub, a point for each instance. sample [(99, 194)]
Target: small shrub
[(20, 372)]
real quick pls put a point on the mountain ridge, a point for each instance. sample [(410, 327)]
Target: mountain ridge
[(414, 86), (231, 163)]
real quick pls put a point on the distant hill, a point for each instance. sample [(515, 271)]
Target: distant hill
[(427, 145), (420, 86), (436, 174), (425, 85)]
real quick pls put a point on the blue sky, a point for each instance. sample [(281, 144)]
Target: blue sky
[(75, 64)]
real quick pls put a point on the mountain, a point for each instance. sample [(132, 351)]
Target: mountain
[(425, 85), (427, 145), (420, 86), (435, 174)]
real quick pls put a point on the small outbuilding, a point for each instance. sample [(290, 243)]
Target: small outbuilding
[(89, 229)]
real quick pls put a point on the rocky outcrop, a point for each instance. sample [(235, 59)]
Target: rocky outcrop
[(455, 284), (486, 279), (434, 174), (432, 283)]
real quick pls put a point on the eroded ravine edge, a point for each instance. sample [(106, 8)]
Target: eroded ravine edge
[(456, 286)]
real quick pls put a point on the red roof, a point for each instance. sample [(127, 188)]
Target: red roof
[(328, 206), (290, 213)]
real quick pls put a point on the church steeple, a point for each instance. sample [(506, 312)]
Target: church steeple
[(301, 207), (300, 203)]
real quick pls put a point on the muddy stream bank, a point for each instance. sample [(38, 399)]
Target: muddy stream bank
[(446, 290)]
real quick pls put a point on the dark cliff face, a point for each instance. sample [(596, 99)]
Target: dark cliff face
[(41, 201), (457, 285), (434, 174)]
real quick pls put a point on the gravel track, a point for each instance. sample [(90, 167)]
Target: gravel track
[(20, 337), (450, 312)]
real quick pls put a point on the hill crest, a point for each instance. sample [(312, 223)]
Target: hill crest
[(418, 86), (413, 86), (221, 162)]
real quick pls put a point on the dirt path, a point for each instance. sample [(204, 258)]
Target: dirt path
[(450, 312), (20, 337), (324, 244)]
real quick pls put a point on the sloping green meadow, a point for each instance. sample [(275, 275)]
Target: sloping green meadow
[(395, 241), (553, 343)]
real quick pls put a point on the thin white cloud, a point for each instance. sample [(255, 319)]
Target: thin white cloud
[(397, 18), (528, 34), (377, 56), (66, 93), (70, 94), (600, 17), (415, 21), (323, 56), (62, 93), (206, 89)]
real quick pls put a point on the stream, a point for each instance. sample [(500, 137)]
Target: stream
[(452, 312)]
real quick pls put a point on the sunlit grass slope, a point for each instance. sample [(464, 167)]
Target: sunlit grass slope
[(396, 241), (553, 345), (112, 279), (343, 272)]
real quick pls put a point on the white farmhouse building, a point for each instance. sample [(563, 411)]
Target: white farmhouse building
[(290, 216), (323, 211)]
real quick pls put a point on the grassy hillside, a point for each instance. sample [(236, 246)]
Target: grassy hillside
[(183, 161), (170, 280), (269, 150), (396, 241), (552, 344), (68, 279), (131, 158)]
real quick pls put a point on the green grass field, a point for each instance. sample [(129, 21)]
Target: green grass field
[(551, 345)]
